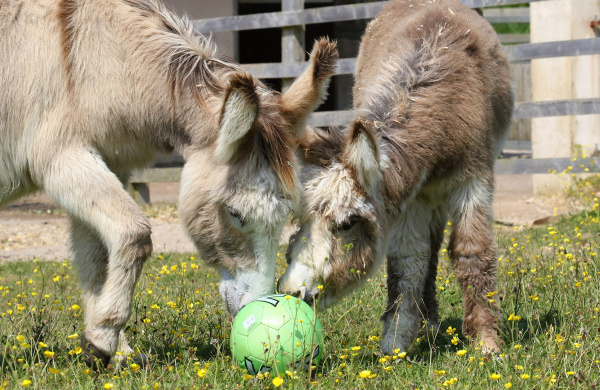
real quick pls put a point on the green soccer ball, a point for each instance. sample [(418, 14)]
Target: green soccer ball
[(276, 333)]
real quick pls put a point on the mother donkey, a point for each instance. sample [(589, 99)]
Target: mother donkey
[(94, 89), (432, 107)]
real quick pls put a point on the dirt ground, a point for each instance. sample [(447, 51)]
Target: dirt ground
[(35, 228)]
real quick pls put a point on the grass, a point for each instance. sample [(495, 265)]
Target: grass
[(549, 292)]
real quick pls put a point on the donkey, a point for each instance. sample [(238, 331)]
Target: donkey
[(94, 89), (433, 103)]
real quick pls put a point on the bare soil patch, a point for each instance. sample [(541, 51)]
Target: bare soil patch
[(35, 228)]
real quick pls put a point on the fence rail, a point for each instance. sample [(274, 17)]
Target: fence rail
[(339, 13), (516, 53)]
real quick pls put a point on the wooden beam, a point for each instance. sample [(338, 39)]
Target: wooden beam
[(516, 53), (576, 47), (156, 175), (292, 40), (557, 108), (522, 110), (315, 15), (526, 166), (511, 166)]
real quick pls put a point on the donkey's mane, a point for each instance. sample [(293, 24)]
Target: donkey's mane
[(192, 57)]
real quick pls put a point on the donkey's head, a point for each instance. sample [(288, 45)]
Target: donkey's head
[(339, 241), (238, 191)]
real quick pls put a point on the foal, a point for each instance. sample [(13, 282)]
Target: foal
[(432, 103), (94, 89)]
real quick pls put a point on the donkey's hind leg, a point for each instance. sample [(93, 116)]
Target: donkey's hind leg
[(82, 184), (473, 252), (429, 306), (407, 269), (91, 259)]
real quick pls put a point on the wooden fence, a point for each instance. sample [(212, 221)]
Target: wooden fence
[(291, 19)]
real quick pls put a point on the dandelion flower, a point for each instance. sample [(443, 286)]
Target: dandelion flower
[(277, 381)]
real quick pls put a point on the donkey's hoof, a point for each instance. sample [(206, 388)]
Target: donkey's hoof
[(490, 345), (94, 357)]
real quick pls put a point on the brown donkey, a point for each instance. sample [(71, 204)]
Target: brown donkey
[(94, 89), (432, 103)]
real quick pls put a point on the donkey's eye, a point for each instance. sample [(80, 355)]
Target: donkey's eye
[(235, 214), (348, 224)]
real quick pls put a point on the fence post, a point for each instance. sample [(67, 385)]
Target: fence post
[(292, 39), (563, 78)]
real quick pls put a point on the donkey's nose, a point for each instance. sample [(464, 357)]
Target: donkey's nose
[(282, 290)]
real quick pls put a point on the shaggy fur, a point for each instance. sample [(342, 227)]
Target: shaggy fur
[(95, 89), (432, 103)]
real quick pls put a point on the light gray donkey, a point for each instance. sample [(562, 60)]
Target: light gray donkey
[(433, 103), (94, 89)]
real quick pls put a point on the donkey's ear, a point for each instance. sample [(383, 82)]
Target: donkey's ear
[(240, 109), (361, 155), (310, 89)]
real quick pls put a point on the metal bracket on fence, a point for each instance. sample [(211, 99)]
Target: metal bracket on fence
[(595, 25)]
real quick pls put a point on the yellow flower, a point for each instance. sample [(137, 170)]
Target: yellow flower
[(508, 385), (20, 338), (108, 385), (495, 376), (53, 370), (355, 348), (48, 354), (75, 307), (42, 344), (202, 373), (440, 372), (364, 374), (134, 367), (26, 382), (290, 374), (277, 381), (571, 373), (450, 330), (525, 376), (462, 352), (78, 350)]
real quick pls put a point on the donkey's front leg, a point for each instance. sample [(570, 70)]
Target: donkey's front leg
[(429, 305), (81, 183), (407, 269), (473, 252), (91, 259)]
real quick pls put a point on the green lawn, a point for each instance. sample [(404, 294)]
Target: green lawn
[(549, 290)]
